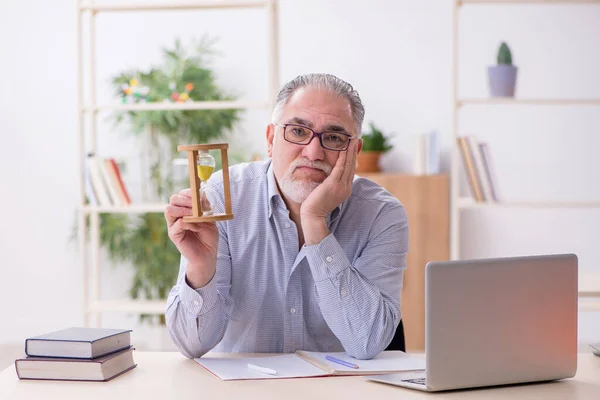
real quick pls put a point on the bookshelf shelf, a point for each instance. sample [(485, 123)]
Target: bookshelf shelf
[(517, 2), (192, 105), (130, 209), (87, 114), (531, 102), (589, 283), (469, 203), (135, 306), (175, 5)]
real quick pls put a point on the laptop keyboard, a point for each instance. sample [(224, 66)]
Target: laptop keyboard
[(417, 381)]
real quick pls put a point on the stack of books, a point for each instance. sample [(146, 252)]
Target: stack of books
[(77, 354)]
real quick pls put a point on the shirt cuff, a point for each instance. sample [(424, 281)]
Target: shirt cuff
[(326, 259), (198, 301)]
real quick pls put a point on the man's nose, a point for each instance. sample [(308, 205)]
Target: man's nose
[(314, 150)]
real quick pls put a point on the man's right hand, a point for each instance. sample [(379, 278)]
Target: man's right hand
[(197, 242)]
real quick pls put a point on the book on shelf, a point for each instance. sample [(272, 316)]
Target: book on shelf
[(477, 164), (107, 185), (117, 179), (78, 342), (304, 364), (490, 172), (97, 180), (97, 369), (427, 156)]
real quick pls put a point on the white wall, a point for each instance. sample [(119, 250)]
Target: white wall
[(396, 53)]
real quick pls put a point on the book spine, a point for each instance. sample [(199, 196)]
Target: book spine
[(114, 196), (120, 181), (98, 182), (479, 167), (470, 169), (489, 170)]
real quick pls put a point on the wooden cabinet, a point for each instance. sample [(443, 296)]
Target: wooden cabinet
[(426, 200)]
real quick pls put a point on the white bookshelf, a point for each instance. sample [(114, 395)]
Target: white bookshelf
[(89, 250), (130, 209), (589, 283), (470, 203)]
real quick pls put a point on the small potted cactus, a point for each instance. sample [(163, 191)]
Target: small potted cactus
[(503, 76)]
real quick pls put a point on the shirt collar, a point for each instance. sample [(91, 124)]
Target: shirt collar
[(275, 199)]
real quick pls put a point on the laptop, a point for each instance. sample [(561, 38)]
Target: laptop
[(496, 322)]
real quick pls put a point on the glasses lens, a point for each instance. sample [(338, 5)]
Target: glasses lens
[(297, 134), (335, 141)]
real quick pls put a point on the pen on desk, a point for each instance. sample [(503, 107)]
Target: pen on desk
[(264, 370), (342, 362)]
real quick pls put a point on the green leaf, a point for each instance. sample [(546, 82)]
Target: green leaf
[(374, 140)]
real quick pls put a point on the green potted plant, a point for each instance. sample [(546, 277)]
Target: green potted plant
[(375, 143), (503, 76), (142, 240)]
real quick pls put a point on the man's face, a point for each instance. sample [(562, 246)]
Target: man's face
[(299, 169)]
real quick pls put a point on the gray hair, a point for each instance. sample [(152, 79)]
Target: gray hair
[(322, 81)]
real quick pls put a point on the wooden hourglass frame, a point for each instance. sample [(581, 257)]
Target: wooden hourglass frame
[(195, 182)]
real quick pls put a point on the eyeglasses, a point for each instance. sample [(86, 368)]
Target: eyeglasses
[(302, 135)]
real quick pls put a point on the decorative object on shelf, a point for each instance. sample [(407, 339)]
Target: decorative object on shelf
[(201, 166), (427, 154), (133, 93), (374, 144), (503, 76), (142, 240), (182, 97)]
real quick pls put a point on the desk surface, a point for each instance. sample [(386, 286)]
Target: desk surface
[(169, 375)]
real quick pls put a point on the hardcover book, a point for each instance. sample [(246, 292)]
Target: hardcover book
[(85, 343), (71, 369)]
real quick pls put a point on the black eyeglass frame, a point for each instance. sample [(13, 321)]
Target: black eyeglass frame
[(317, 134)]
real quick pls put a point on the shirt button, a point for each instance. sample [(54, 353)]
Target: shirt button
[(293, 310), (343, 292), (287, 224), (195, 302), (329, 259)]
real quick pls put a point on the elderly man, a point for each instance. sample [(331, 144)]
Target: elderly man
[(314, 258)]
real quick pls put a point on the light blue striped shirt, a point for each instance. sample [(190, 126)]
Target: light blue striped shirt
[(342, 294)]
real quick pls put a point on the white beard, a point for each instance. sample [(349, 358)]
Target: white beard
[(298, 190)]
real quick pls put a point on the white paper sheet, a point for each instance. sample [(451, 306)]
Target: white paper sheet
[(286, 365)]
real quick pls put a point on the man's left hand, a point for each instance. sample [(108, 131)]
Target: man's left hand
[(335, 189)]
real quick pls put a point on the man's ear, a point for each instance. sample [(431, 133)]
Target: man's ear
[(360, 143), (270, 134)]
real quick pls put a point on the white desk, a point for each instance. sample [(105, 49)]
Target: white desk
[(170, 375)]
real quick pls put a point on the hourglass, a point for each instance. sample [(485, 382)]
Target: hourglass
[(201, 166)]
